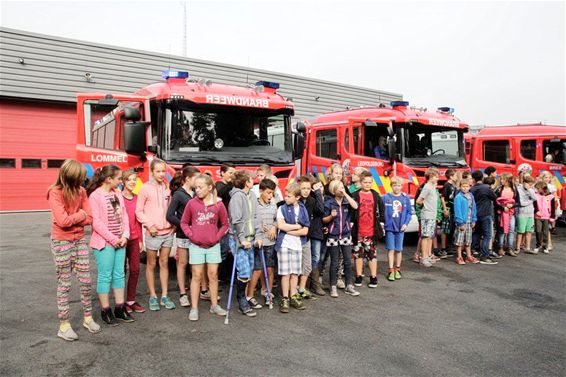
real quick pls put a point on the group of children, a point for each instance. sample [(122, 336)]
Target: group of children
[(254, 230), (472, 207)]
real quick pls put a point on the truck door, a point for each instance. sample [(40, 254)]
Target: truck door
[(103, 123), (324, 150)]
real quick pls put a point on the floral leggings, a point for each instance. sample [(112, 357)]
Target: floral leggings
[(72, 256)]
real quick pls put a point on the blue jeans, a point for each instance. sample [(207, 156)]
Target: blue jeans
[(110, 263), (509, 238), (315, 252), (483, 229)]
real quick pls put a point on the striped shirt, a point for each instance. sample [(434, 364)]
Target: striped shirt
[(114, 214)]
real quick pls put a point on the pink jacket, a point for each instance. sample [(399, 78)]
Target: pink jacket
[(151, 208), (544, 206), (505, 217), (68, 223), (100, 233)]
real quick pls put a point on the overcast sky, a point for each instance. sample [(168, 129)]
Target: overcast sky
[(495, 62)]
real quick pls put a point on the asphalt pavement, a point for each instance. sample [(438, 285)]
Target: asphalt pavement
[(447, 320)]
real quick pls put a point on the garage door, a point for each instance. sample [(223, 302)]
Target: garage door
[(35, 138)]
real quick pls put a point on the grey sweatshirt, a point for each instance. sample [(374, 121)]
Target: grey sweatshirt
[(243, 219), (526, 200)]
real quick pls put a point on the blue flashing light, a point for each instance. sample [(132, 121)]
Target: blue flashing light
[(399, 103), (169, 74), (268, 84), (449, 110)]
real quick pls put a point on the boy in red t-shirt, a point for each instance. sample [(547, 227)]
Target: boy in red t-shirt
[(367, 229)]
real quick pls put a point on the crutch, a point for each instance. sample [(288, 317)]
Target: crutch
[(268, 292), (229, 305)]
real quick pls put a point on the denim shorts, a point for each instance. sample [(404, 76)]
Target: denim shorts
[(270, 257), (184, 243), (200, 255), (157, 242), (394, 241)]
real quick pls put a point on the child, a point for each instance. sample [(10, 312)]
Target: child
[(264, 171), (506, 202), (544, 212), (267, 217), (313, 207), (367, 228), (397, 217), (428, 198), (356, 183), (484, 198), (465, 218), (200, 223), (243, 209), (133, 248), (547, 178), (182, 186), (293, 224), (316, 234), (525, 213), (337, 210), (71, 212), (110, 233), (223, 188), (447, 202), (151, 210)]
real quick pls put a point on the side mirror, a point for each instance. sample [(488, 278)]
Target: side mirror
[(391, 148), (299, 145), (134, 138), (132, 114), (301, 128)]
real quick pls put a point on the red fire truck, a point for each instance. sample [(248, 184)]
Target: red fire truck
[(187, 121), (413, 140), (534, 147)]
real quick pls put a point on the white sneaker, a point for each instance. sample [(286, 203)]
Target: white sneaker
[(536, 250), (92, 326), (350, 290), (218, 310), (333, 291), (68, 334), (184, 300), (340, 284), (425, 262), (545, 251), (193, 315)]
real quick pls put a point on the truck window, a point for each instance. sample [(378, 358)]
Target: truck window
[(326, 142), (496, 151), (553, 150), (529, 149), (347, 141)]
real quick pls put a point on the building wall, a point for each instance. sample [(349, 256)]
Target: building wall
[(54, 69)]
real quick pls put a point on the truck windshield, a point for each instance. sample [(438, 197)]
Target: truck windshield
[(238, 135), (434, 146)]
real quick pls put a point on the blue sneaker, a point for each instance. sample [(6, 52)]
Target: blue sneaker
[(153, 304), (167, 302)]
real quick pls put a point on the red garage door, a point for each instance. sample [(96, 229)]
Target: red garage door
[(35, 138)]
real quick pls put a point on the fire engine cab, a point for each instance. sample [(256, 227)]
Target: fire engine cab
[(187, 121), (388, 141), (530, 147)]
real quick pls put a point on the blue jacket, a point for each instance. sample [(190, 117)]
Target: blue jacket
[(289, 215), (394, 219), (461, 209), (340, 226)]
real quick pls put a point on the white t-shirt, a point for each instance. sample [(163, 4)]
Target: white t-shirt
[(290, 241)]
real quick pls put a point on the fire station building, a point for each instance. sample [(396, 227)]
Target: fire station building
[(40, 76)]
